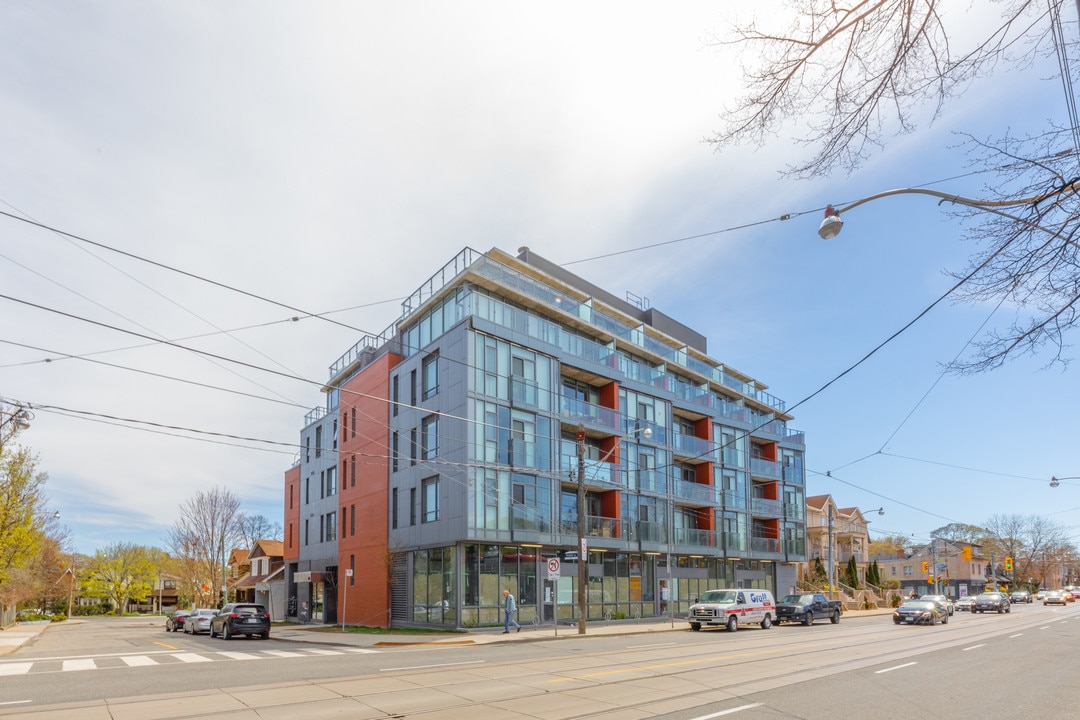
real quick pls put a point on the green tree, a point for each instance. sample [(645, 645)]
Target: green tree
[(22, 516), (873, 574), (851, 573), (121, 572)]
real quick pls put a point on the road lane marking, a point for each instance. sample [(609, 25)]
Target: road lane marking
[(240, 655), (360, 650), (138, 660), (15, 668), (425, 667), (726, 712), (16, 702), (79, 665), (166, 645), (1016, 635), (894, 667), (321, 651), (974, 646), (191, 658), (283, 653)]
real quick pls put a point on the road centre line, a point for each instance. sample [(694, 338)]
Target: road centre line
[(1015, 636), (973, 647), (894, 667), (727, 712), (166, 645), (425, 667)]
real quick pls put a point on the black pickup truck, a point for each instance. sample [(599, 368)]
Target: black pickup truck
[(808, 607)]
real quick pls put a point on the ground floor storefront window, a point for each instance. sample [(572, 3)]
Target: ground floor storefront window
[(462, 585)]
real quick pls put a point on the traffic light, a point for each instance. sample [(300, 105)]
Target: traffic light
[(925, 566), (967, 552), (1008, 564), (929, 579)]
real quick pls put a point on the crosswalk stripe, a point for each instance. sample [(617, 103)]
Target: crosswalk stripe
[(138, 660), (283, 653), (360, 650), (15, 668), (191, 658), (83, 664), (320, 651), (240, 655)]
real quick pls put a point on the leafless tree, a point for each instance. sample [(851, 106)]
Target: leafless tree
[(1029, 540), (256, 527), (854, 74), (201, 538)]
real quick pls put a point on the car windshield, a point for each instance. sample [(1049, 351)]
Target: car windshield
[(798, 599), (718, 596), (919, 604), (989, 596)]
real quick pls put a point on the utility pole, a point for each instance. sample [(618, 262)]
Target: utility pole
[(832, 560), (583, 558)]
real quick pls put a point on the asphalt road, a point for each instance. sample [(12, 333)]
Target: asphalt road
[(866, 667)]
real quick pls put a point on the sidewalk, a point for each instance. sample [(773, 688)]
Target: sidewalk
[(332, 635), (14, 637)]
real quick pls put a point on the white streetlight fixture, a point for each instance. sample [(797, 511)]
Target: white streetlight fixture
[(582, 551), (21, 417), (1055, 481), (832, 224)]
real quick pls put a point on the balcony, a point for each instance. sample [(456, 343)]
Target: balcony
[(575, 411), (688, 446), (734, 543), (649, 532), (651, 481), (765, 546), (766, 508), (759, 467), (693, 537), (696, 493), (732, 499)]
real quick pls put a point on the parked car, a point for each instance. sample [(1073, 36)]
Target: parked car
[(949, 607), (808, 607), (198, 620), (964, 603), (1040, 595), (240, 619), (991, 602), (920, 612), (1021, 596), (731, 608), (1055, 597), (175, 622)]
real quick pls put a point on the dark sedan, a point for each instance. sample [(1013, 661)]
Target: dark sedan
[(1021, 596), (175, 622), (241, 619), (991, 602), (920, 612)]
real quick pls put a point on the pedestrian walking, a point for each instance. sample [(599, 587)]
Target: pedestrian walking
[(511, 610)]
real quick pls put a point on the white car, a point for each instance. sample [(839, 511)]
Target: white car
[(732, 608), (198, 621), (944, 600), (964, 603)]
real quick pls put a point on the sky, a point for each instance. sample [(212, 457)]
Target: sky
[(329, 157)]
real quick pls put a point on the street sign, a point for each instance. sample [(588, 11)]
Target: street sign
[(553, 569)]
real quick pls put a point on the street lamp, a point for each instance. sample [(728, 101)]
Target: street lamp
[(583, 553), (21, 417), (832, 224), (1055, 481)]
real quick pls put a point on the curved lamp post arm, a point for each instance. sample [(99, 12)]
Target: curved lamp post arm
[(1055, 481), (831, 225)]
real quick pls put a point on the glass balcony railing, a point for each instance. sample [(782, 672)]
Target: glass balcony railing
[(765, 545), (695, 537), (768, 508), (527, 518), (644, 531), (578, 411), (651, 481), (734, 542), (695, 492), (733, 499), (693, 447), (764, 468)]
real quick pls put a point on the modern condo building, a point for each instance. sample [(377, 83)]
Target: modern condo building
[(443, 467)]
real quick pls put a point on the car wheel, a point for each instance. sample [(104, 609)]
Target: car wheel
[(766, 622), (945, 619), (695, 626), (809, 619), (835, 618), (732, 623), (265, 635), (225, 634), (212, 633), (896, 622)]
